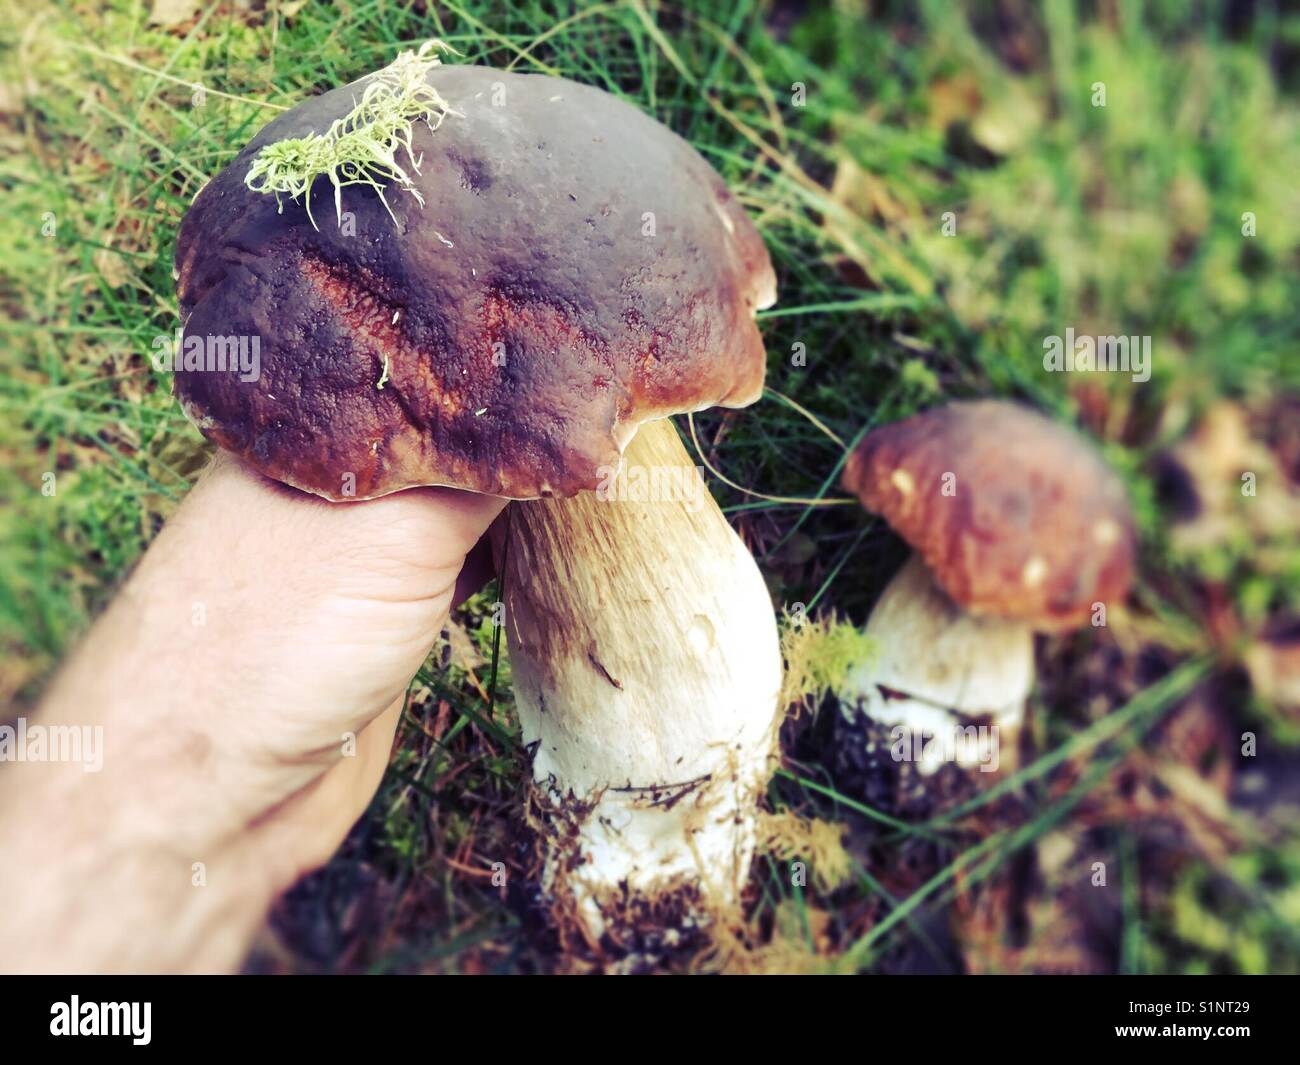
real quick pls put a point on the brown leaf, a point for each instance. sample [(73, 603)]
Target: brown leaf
[(169, 13), (463, 653), (1274, 667), (112, 267)]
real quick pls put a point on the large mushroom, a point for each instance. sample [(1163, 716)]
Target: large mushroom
[(1018, 527), (566, 274)]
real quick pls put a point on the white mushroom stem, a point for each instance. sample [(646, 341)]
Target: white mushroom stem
[(647, 670), (934, 667)]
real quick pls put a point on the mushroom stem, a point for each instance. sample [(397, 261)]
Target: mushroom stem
[(939, 670), (647, 670)]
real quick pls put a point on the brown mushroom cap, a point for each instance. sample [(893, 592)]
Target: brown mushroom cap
[(531, 250), (1035, 526)]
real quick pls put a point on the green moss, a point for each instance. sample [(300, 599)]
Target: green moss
[(362, 147), (819, 655)]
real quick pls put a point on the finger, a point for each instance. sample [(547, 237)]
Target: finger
[(463, 517)]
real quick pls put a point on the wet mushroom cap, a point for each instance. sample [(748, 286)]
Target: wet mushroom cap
[(1031, 524), (576, 269)]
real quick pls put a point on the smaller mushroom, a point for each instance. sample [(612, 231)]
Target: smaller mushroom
[(1018, 527)]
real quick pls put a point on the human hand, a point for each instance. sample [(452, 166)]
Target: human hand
[(248, 681)]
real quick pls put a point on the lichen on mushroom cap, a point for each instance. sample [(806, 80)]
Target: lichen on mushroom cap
[(1018, 526), (575, 269), (559, 275)]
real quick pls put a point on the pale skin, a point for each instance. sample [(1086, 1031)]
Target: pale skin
[(225, 743)]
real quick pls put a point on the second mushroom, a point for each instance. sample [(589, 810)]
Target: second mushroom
[(1018, 527)]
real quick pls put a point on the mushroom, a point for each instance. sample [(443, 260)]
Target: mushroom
[(1018, 527), (570, 274)]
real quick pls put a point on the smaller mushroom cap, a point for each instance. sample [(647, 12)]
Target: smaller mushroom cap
[(1016, 516)]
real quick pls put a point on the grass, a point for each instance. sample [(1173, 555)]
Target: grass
[(943, 196)]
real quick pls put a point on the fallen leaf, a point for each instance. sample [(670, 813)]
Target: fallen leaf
[(462, 652), (1215, 461), (112, 267), (169, 13), (1274, 667)]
